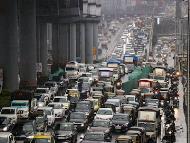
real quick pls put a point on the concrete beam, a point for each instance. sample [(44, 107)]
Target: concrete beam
[(72, 40), (43, 48), (9, 43), (55, 50), (28, 56), (89, 43), (63, 44)]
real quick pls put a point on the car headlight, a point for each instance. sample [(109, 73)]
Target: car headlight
[(156, 92), (82, 125), (176, 98), (30, 137), (5, 129)]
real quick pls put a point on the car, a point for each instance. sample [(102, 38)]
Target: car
[(95, 137), (43, 91), (62, 100), (104, 114), (58, 110), (65, 132), (101, 126), (79, 119), (132, 99), (6, 124), (89, 75), (121, 122), (96, 103), (24, 130), (9, 112), (42, 137), (87, 108), (117, 102), (7, 137)]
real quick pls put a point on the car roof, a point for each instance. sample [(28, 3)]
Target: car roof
[(105, 109), (8, 108)]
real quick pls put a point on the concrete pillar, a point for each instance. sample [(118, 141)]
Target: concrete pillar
[(43, 48), (28, 43), (95, 40), (63, 43), (55, 50), (9, 43), (38, 41), (82, 42), (89, 43), (72, 40), (78, 53)]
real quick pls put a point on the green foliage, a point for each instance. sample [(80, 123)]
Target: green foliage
[(5, 98)]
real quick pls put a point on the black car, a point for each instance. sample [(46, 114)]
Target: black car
[(121, 122), (95, 137), (65, 132), (6, 124), (24, 130), (101, 126), (80, 120), (87, 108)]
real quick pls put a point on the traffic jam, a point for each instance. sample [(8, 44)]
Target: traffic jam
[(89, 104)]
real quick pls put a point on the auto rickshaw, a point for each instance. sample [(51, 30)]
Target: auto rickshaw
[(124, 139), (131, 111), (45, 137), (96, 103), (98, 95), (136, 136), (73, 97), (109, 89), (142, 130)]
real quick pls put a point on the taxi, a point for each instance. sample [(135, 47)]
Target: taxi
[(43, 138)]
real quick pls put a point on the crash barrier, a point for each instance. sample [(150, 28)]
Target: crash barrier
[(138, 73)]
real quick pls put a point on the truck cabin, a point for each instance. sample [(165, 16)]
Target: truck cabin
[(105, 74), (146, 85)]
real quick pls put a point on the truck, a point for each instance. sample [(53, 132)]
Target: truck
[(130, 61), (25, 102), (149, 118), (72, 70), (7, 137)]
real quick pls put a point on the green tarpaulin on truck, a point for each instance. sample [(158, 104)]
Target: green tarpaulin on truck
[(60, 72), (137, 74)]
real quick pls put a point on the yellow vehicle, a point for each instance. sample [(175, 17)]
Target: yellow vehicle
[(123, 139), (43, 138), (96, 103), (73, 95)]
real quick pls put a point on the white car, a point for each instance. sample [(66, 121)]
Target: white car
[(9, 112), (58, 109), (89, 75), (62, 100), (7, 137), (45, 92), (104, 114), (116, 102), (132, 99)]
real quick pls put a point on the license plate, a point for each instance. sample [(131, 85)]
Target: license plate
[(118, 127)]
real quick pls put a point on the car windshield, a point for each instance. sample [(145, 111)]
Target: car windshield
[(16, 104), (40, 91), (121, 117), (60, 100), (104, 112), (131, 98), (64, 127), (94, 137), (101, 124), (3, 140), (8, 111), (116, 103), (27, 127), (82, 107), (77, 116), (37, 140), (55, 106), (149, 127)]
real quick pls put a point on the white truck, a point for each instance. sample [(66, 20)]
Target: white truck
[(25, 102), (72, 70)]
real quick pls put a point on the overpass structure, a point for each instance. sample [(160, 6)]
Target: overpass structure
[(23, 36)]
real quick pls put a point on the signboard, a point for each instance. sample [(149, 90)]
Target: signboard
[(112, 65), (144, 84), (147, 115), (129, 59), (38, 67), (1, 80)]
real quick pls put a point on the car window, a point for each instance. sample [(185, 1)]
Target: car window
[(104, 112), (8, 111)]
